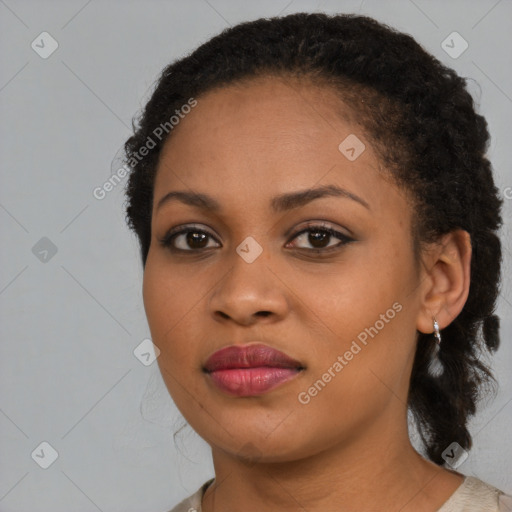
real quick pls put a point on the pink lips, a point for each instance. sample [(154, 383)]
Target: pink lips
[(250, 370)]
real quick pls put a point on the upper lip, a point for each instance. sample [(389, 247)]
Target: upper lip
[(249, 356)]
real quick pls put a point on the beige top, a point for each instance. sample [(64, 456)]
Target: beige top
[(472, 495)]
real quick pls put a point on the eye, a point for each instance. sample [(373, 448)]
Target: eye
[(192, 239), (189, 239), (319, 236)]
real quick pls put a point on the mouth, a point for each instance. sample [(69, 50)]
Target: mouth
[(250, 370)]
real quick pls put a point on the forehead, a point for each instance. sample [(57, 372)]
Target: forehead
[(271, 134), (262, 112)]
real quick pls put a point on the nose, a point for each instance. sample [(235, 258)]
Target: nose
[(248, 293)]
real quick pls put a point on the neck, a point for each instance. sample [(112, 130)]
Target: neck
[(379, 470)]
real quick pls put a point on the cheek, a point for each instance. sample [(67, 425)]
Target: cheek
[(170, 310), (361, 315), (168, 304), (168, 295), (158, 300), (353, 296), (352, 382)]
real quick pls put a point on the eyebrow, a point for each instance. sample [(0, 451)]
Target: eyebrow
[(283, 202)]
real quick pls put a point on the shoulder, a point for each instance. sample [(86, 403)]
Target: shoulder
[(474, 495), (193, 502)]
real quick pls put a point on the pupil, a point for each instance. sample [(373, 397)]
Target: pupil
[(318, 236), (197, 238)]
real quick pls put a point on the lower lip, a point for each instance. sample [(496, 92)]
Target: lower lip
[(251, 381)]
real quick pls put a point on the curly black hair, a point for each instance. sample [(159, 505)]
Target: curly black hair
[(423, 124)]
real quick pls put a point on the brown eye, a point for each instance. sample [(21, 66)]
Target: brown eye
[(190, 239), (319, 237), (196, 240), (187, 240)]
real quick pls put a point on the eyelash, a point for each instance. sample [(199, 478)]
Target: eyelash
[(168, 239)]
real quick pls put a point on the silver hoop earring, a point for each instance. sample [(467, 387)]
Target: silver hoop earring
[(435, 366)]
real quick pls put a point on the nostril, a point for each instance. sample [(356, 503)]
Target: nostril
[(263, 313)]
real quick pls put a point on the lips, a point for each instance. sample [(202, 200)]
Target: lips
[(251, 370), (250, 356)]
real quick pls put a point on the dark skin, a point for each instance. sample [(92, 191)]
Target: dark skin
[(348, 448)]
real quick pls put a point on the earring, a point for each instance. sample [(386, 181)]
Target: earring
[(436, 366), (437, 334)]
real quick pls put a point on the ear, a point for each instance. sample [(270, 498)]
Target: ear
[(445, 280)]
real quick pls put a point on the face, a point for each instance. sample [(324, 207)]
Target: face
[(328, 279)]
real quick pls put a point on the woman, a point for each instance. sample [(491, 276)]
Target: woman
[(313, 201)]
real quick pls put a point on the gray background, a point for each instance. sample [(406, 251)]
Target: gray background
[(71, 322)]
